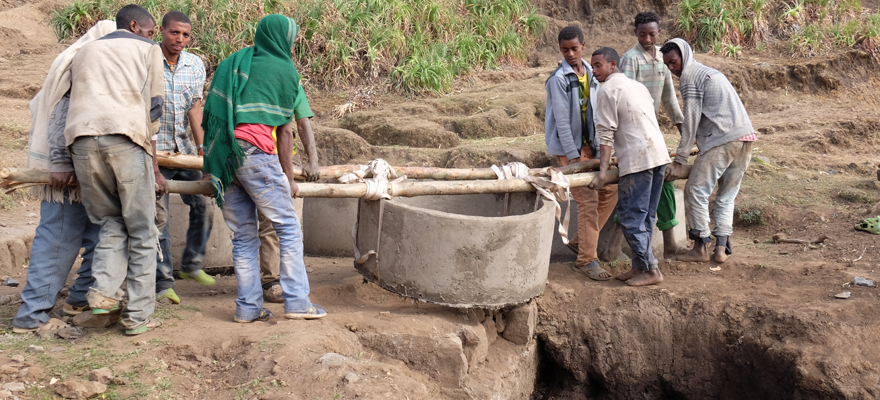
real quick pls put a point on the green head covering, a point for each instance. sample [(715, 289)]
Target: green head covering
[(255, 85)]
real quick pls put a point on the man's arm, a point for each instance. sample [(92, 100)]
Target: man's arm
[(156, 83), (195, 122), (560, 104), (61, 172), (606, 126), (670, 102), (693, 109), (284, 135), (304, 129)]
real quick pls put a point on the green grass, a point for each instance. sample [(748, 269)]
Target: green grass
[(415, 46), (806, 27)]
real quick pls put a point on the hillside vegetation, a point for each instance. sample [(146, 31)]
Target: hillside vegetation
[(414, 46), (804, 28)]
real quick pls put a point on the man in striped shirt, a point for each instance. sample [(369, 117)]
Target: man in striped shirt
[(644, 63)]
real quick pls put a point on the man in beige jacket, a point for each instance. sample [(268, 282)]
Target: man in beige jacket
[(116, 100)]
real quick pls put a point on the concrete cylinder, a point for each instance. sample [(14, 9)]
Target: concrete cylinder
[(458, 251)]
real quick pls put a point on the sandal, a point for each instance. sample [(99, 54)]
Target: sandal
[(152, 323), (313, 312), (265, 315), (592, 270), (871, 225)]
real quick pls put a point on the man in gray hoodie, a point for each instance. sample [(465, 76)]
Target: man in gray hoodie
[(570, 134), (715, 117)]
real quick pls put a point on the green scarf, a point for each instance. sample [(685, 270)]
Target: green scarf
[(255, 85)]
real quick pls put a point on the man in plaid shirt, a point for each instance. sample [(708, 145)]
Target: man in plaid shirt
[(184, 82)]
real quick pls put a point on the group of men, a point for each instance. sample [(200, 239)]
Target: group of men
[(611, 104), (110, 102)]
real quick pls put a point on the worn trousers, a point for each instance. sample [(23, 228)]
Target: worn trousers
[(637, 210), (270, 250), (594, 207), (201, 221), (261, 186), (118, 190), (64, 229), (723, 166)]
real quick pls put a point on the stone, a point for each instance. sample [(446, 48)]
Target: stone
[(225, 345), (491, 332), (24, 372), (79, 389), (8, 369), (14, 387), (57, 349), (36, 372), (10, 282), (36, 349), (476, 346), (19, 252), (69, 333), (863, 282), (5, 257), (276, 370), (332, 360), (764, 65), (17, 358), (5, 299), (521, 323), (480, 314), (184, 365), (101, 375), (64, 292), (439, 356), (350, 378), (842, 295), (89, 320), (204, 360), (500, 323)]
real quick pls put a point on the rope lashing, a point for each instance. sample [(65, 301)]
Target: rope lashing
[(556, 189)]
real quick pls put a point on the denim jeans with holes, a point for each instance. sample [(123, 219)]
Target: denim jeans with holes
[(261, 185)]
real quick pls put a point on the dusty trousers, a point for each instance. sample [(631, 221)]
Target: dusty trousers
[(594, 207)]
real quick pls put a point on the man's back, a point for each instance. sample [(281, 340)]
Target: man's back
[(117, 88)]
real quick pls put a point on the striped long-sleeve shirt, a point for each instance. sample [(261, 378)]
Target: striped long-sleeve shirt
[(652, 72)]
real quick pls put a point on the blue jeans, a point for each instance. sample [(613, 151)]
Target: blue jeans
[(119, 194), (201, 220), (261, 185), (638, 196), (64, 229)]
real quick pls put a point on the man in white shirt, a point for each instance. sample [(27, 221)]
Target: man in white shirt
[(626, 122)]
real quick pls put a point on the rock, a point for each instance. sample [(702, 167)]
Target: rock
[(225, 345), (832, 172), (89, 320), (439, 356), (57, 349), (10, 282), (350, 378), (14, 387), (102, 375), (764, 65), (36, 372), (332, 360), (500, 323), (352, 327), (184, 365), (17, 358), (69, 333), (79, 389), (8, 369), (204, 360), (276, 370), (384, 314), (18, 250), (24, 372), (64, 292), (5, 299), (842, 295), (491, 332), (863, 282), (480, 314), (521, 323), (36, 349), (476, 346)]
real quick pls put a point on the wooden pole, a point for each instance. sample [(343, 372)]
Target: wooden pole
[(178, 160), (13, 177)]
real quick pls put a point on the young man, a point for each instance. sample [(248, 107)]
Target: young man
[(717, 119), (270, 251), (115, 104), (64, 225), (184, 80), (570, 134), (644, 63), (242, 112), (625, 120)]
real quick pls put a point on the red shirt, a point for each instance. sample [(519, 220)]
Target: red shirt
[(258, 135)]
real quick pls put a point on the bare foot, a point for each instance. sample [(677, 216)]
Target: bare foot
[(700, 253), (670, 245), (672, 254), (721, 254), (612, 251), (651, 277), (629, 274)]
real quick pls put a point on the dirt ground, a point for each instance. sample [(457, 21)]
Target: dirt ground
[(764, 325)]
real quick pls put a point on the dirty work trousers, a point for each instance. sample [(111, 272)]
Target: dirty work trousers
[(118, 189), (665, 209), (201, 221), (64, 229), (725, 166), (639, 194), (269, 248), (594, 207), (261, 186)]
